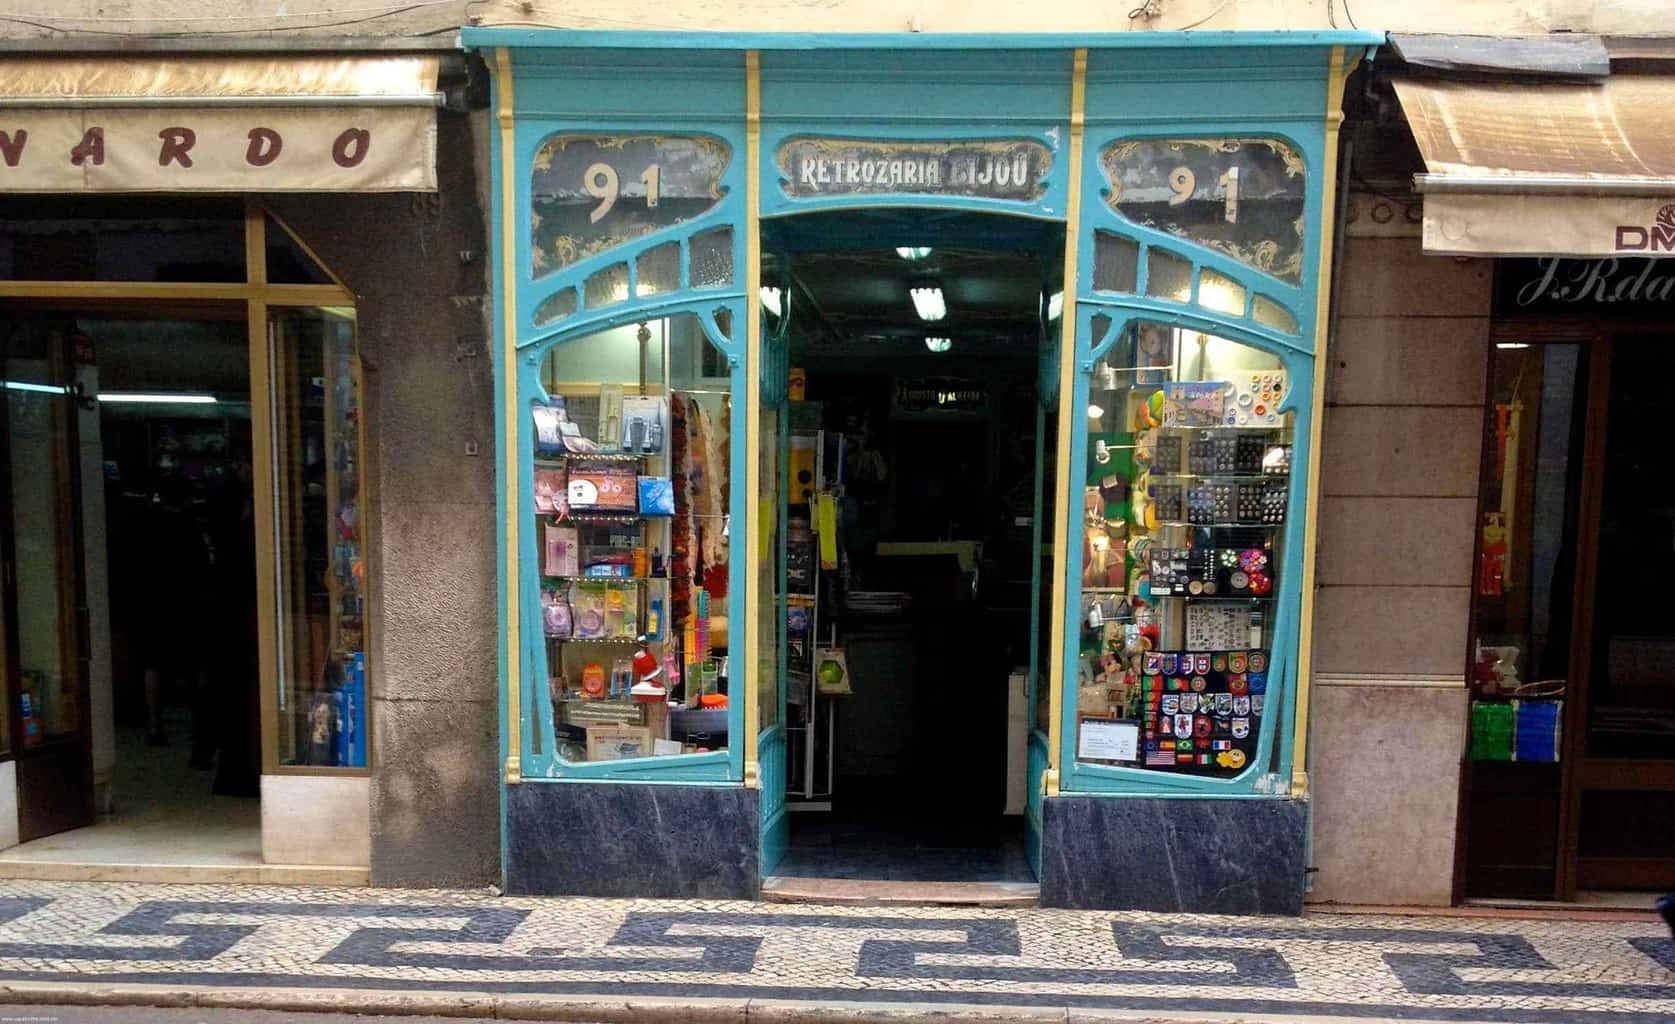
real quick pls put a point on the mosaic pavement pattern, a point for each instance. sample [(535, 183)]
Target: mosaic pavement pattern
[(370, 940)]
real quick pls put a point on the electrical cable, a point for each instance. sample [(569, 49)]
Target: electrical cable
[(1222, 7), (1349, 14)]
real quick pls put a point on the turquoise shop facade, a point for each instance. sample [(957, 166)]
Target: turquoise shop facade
[(746, 107)]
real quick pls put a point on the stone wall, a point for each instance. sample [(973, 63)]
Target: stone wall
[(1405, 380), (418, 265)]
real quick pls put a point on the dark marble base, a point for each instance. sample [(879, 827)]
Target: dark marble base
[(1209, 856), (628, 839)]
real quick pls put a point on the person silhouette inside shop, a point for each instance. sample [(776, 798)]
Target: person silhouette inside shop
[(177, 567)]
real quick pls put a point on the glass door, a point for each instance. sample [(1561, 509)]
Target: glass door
[(772, 461), (1625, 821), (45, 664)]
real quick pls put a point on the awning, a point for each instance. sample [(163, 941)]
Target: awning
[(1527, 170), (219, 124)]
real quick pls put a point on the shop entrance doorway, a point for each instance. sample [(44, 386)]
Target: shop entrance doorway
[(914, 445), (1571, 773), (182, 584), (147, 725)]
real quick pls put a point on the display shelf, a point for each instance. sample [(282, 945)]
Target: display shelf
[(1218, 526), (605, 517), (629, 640), (603, 579), (1220, 477), (562, 459)]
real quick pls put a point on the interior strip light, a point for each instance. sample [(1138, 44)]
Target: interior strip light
[(157, 398)]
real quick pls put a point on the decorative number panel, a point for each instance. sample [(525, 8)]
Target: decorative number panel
[(590, 193), (1241, 197)]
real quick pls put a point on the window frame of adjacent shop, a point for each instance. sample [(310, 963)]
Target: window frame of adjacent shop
[(260, 296)]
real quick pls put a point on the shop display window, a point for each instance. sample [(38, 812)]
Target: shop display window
[(630, 508), (1521, 643), (1184, 498), (322, 696)]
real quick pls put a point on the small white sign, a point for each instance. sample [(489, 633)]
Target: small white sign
[(1108, 741)]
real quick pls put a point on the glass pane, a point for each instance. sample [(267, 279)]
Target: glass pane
[(99, 239), (1522, 608), (617, 356), (322, 700), (630, 508), (768, 561), (1269, 313), (607, 287), (556, 307), (1241, 197), (39, 411), (1168, 276), (657, 270), (712, 258), (1184, 497), (1221, 293), (289, 262), (591, 193), (1631, 683), (1116, 260)]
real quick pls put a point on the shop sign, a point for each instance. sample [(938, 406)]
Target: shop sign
[(377, 149), (1010, 169), (922, 397), (1558, 284)]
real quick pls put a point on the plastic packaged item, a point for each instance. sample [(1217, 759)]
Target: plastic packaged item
[(555, 615), (587, 609), (622, 678), (657, 496), (549, 491), (593, 681), (654, 618), (563, 551), (615, 611), (643, 417)]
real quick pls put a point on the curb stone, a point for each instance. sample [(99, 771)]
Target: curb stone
[(580, 1010)]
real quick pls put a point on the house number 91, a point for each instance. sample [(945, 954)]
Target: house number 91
[(601, 182), (1182, 181)]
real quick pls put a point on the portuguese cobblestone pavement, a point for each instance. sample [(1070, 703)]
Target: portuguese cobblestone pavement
[(98, 942)]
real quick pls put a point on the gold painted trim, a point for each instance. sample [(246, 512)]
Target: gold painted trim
[(270, 294), (307, 250), (263, 484), (1311, 503), (509, 356), (753, 411), (1067, 419)]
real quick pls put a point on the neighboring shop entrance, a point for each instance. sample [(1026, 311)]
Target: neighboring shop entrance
[(1571, 775), (181, 544)]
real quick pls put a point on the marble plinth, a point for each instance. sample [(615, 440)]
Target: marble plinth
[(1202, 856), (629, 839)]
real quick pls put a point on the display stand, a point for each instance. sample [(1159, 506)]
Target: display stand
[(809, 744)]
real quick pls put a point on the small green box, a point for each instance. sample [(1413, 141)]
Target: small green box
[(1491, 731)]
